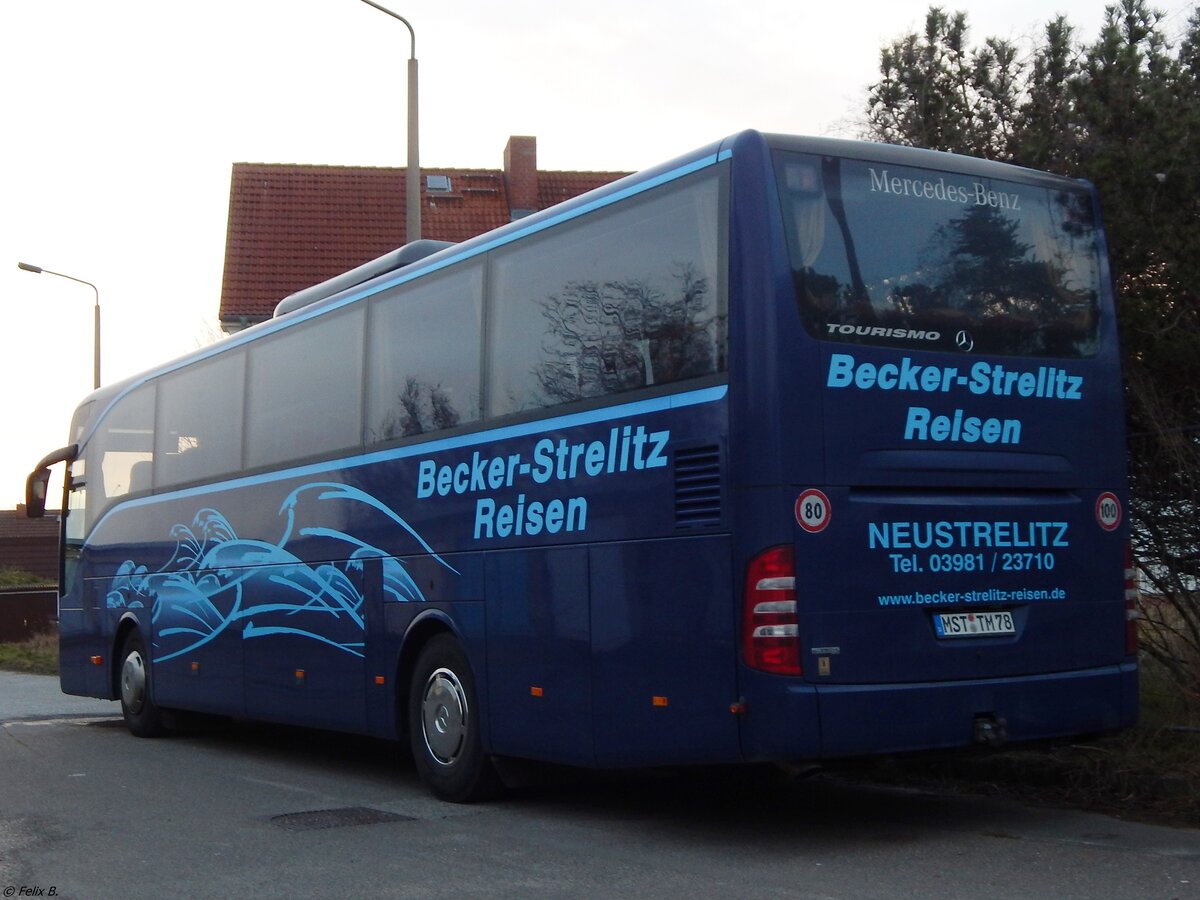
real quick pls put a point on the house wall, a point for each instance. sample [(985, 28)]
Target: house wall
[(23, 613), (30, 544)]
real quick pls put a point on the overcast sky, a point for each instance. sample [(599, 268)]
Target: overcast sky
[(124, 118)]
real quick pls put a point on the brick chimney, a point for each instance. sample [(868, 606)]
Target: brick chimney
[(520, 176)]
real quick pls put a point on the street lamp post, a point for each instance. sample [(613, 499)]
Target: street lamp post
[(412, 225), (38, 270)]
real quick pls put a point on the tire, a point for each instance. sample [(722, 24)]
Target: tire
[(443, 725), (142, 716)]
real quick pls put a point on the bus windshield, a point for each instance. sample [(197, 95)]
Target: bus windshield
[(894, 255)]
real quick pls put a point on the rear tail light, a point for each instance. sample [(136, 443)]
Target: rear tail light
[(770, 631), (1131, 603)]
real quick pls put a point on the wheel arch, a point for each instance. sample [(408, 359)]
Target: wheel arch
[(127, 624), (421, 631)]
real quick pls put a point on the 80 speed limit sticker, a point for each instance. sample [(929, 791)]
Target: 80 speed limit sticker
[(812, 511)]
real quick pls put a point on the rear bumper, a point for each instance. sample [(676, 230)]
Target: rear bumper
[(866, 719), (803, 721)]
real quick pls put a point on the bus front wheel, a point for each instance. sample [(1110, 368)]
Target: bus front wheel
[(142, 716), (443, 720)]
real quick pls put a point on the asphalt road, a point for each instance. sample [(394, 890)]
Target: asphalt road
[(243, 810)]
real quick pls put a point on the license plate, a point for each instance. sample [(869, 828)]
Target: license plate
[(980, 624)]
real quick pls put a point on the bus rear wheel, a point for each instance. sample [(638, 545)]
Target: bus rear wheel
[(142, 716), (443, 725)]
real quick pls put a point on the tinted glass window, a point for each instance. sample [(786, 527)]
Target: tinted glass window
[(304, 390), (894, 255), (76, 524), (424, 350), (630, 297), (121, 451), (199, 431), (80, 420)]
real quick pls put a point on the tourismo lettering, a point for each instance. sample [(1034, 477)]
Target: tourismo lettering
[(904, 334)]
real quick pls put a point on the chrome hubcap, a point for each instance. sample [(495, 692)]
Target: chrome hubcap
[(444, 716), (133, 682)]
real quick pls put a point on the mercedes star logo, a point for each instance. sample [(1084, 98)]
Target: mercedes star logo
[(964, 341)]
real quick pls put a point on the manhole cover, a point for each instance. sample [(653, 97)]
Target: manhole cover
[(336, 818)]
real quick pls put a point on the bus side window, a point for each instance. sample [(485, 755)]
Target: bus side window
[(123, 439), (632, 297), (297, 409), (196, 437), (423, 351)]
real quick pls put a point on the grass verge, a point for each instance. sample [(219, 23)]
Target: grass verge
[(1149, 773), (38, 655), (10, 576)]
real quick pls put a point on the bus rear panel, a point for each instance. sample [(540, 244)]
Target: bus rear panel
[(948, 419)]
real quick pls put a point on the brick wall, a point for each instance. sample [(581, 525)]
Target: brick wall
[(521, 175)]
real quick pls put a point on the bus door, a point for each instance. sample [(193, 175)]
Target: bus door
[(80, 600)]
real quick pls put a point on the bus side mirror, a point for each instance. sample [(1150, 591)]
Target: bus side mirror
[(36, 486), (38, 483)]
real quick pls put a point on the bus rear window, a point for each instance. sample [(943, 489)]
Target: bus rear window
[(885, 254)]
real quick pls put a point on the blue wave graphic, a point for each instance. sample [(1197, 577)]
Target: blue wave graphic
[(215, 580)]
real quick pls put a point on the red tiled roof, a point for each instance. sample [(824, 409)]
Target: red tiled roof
[(292, 226), (555, 187), (15, 525)]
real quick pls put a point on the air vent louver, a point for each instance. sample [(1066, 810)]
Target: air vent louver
[(698, 487)]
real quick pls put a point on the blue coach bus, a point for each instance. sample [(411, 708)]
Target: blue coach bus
[(789, 449)]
